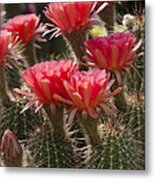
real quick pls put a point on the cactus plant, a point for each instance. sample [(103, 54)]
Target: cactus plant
[(122, 144), (20, 123), (83, 111), (49, 150)]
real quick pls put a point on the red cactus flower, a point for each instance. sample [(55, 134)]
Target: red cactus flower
[(7, 43), (114, 52), (10, 147), (88, 90), (27, 27), (71, 16), (45, 79)]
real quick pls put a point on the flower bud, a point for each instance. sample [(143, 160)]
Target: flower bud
[(11, 150)]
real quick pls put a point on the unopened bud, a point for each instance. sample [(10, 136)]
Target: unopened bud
[(11, 150)]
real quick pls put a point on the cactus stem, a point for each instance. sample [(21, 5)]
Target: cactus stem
[(56, 118), (4, 99), (75, 40), (91, 127), (29, 53), (108, 16), (120, 99)]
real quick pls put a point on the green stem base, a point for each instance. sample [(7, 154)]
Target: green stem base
[(75, 41), (55, 115), (4, 99), (29, 53), (90, 125)]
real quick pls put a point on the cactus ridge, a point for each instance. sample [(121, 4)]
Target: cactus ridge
[(81, 151), (49, 152), (20, 124), (121, 147)]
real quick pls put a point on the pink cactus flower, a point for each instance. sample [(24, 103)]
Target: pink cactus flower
[(86, 91), (10, 146), (71, 16), (26, 26), (114, 52), (7, 43), (45, 79)]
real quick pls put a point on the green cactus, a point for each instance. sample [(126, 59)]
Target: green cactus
[(81, 151), (121, 146), (19, 123), (47, 139), (48, 151), (13, 78)]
